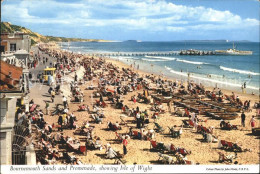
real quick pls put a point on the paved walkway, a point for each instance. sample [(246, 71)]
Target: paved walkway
[(39, 92)]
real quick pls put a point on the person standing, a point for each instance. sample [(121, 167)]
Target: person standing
[(138, 120), (47, 107), (248, 105), (243, 118), (169, 107), (52, 95), (252, 122), (124, 146), (76, 77), (64, 99), (60, 121)]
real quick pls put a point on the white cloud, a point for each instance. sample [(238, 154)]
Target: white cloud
[(150, 15), (176, 29)]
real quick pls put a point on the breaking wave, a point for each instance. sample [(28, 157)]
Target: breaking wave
[(191, 62), (239, 71)]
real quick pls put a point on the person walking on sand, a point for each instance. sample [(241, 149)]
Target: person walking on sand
[(243, 118), (124, 146), (169, 107), (60, 121), (76, 77), (252, 122), (244, 87), (65, 103), (52, 96)]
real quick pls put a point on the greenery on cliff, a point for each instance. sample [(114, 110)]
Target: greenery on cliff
[(36, 37)]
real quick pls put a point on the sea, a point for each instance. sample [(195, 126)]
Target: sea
[(221, 71)]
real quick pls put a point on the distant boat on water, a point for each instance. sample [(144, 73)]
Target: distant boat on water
[(233, 51)]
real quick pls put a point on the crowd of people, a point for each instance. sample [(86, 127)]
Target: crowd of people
[(113, 84)]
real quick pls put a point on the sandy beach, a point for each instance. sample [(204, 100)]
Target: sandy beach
[(139, 150)]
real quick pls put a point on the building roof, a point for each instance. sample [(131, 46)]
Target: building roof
[(7, 83)]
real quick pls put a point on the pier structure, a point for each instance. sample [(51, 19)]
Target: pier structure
[(159, 53), (125, 54), (197, 52)]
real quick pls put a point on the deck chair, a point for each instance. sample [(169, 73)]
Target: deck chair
[(230, 145), (158, 128), (118, 137), (103, 104), (136, 134), (156, 146), (67, 158), (185, 122), (123, 122), (33, 107), (174, 134), (224, 144), (191, 123), (83, 149), (183, 151), (153, 145)]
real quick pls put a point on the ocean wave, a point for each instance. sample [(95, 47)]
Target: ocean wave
[(159, 57), (176, 72), (154, 60), (194, 76), (239, 71), (123, 57), (191, 62)]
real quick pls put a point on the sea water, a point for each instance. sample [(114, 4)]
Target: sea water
[(224, 71)]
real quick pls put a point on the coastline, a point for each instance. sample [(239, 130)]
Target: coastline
[(138, 150), (247, 96)]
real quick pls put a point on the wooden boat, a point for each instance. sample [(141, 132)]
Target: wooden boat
[(233, 109), (256, 131), (223, 116), (228, 117), (162, 99)]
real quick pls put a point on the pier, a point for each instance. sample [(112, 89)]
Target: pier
[(159, 53), (197, 52)]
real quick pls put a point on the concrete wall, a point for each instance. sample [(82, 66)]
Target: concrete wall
[(6, 147), (8, 108)]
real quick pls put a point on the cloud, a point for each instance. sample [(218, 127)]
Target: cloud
[(149, 15), (176, 29)]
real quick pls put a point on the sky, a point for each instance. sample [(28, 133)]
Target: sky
[(146, 20)]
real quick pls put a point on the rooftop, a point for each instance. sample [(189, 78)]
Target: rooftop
[(9, 77)]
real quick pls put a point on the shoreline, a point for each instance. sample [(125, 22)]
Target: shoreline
[(208, 82), (255, 97), (138, 150)]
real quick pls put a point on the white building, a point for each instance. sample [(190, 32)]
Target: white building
[(11, 42), (12, 150)]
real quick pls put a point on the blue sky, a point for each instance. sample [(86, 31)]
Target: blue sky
[(147, 20)]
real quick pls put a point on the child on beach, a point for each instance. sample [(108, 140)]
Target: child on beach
[(252, 122)]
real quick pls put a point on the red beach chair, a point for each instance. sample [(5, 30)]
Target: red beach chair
[(33, 107), (82, 149), (224, 143), (153, 144), (191, 123)]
